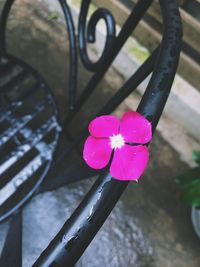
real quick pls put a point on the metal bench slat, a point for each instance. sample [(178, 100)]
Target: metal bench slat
[(12, 186), (16, 80), (19, 102), (32, 141), (6, 68), (8, 111), (16, 125)]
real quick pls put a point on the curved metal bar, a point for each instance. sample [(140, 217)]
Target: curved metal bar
[(134, 81), (99, 14), (128, 27), (78, 231), (57, 138), (158, 89), (144, 70), (72, 84), (3, 22)]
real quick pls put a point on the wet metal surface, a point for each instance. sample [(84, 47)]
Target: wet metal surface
[(22, 122), (149, 225)]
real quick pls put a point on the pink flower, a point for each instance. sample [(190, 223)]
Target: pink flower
[(108, 134)]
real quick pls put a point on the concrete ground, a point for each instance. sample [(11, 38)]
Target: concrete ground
[(149, 226)]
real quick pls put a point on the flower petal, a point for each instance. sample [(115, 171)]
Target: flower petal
[(97, 152), (129, 162), (135, 128), (104, 126)]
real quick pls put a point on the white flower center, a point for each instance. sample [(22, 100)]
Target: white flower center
[(117, 141)]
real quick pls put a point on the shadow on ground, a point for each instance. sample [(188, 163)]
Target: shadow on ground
[(149, 226)]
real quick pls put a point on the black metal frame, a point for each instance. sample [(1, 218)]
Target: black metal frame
[(79, 230), (40, 84)]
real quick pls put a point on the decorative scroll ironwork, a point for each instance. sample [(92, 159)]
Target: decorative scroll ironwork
[(79, 230), (72, 83), (87, 31), (117, 43)]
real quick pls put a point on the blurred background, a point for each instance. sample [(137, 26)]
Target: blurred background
[(150, 225)]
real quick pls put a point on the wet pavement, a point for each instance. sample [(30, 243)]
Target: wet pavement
[(149, 226)]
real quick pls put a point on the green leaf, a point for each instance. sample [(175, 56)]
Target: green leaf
[(192, 195), (53, 16), (188, 177), (196, 156)]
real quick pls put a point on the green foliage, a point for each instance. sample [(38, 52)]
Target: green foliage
[(190, 182), (192, 194), (188, 177), (196, 156), (139, 52), (53, 16)]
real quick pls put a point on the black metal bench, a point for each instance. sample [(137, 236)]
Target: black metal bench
[(30, 126)]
